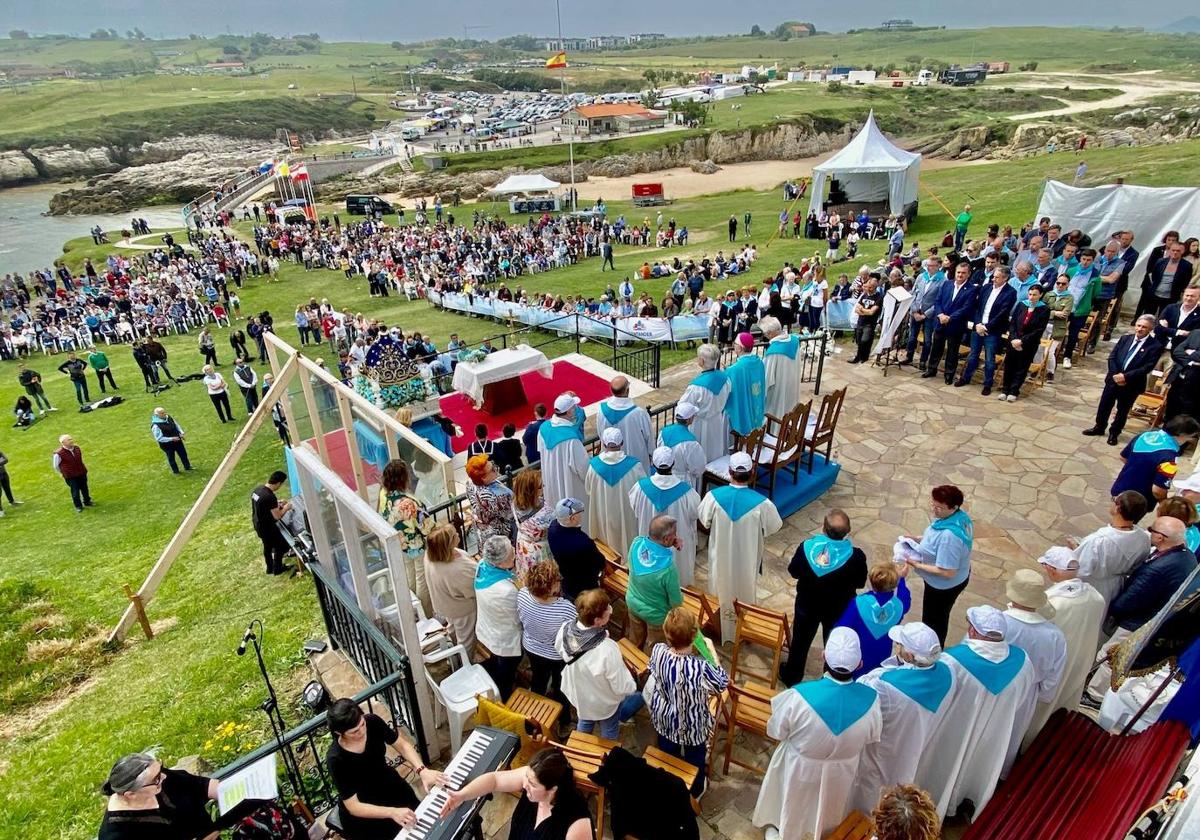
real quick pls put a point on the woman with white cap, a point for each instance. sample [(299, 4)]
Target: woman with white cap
[(823, 727), (497, 624)]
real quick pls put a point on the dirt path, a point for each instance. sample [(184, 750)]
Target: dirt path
[(1135, 88)]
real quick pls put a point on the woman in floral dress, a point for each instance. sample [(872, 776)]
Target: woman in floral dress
[(491, 501), (533, 521), (409, 518)]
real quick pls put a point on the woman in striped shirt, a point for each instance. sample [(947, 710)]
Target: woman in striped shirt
[(543, 611), (685, 675)]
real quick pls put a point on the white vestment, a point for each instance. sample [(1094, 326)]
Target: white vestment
[(1079, 613), (564, 467), (683, 509), (783, 378), (1119, 707), (1044, 644), (635, 426), (735, 551), (976, 741), (689, 461), (907, 727), (710, 426), (1107, 555), (610, 515), (806, 790)]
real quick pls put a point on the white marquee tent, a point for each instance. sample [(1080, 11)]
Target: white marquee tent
[(535, 183), (870, 168)]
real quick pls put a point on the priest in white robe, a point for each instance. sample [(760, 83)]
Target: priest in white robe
[(1110, 553), (665, 493), (689, 455), (1028, 625), (621, 412), (709, 392), (564, 460), (611, 475), (783, 362), (976, 741), (914, 690), (823, 726), (1079, 611), (739, 520)]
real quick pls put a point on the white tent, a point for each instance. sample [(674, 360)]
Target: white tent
[(515, 184), (870, 168)]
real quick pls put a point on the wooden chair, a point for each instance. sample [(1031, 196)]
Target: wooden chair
[(783, 444), (585, 753), (749, 711), (635, 659), (615, 581), (610, 554), (856, 826), (718, 707), (677, 767), (540, 711), (1085, 336), (1150, 406), (706, 608), (717, 470), (1038, 370), (759, 625), (825, 426)]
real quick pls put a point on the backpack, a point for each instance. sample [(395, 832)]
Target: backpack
[(269, 822)]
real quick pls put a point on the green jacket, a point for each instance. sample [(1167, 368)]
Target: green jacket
[(652, 595), (1089, 294), (98, 360), (1058, 303)]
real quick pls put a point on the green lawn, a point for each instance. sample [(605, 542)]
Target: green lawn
[(176, 690)]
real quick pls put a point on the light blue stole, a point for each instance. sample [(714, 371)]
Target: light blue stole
[(994, 676), (737, 501), (835, 552), (663, 499), (839, 705), (712, 381), (787, 348), (646, 556), (925, 686), (876, 617), (1153, 441), (613, 473), (676, 433), (959, 524), (746, 405), (551, 435), (486, 574), (614, 415)]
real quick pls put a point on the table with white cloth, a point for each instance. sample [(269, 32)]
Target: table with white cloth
[(494, 384)]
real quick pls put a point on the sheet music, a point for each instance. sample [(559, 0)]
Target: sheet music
[(258, 781)]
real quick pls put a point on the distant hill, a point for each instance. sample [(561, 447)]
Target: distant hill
[(1191, 23)]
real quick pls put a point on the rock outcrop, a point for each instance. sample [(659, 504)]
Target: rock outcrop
[(704, 167), (16, 168)]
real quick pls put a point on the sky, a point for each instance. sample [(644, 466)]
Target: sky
[(406, 20)]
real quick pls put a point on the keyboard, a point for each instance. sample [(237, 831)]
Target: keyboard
[(486, 749)]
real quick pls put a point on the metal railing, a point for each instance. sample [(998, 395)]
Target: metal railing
[(811, 353)]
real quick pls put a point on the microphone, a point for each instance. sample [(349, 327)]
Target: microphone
[(241, 651)]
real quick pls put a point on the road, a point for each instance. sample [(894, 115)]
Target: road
[(1135, 88)]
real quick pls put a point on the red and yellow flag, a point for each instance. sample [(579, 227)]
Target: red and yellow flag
[(559, 59)]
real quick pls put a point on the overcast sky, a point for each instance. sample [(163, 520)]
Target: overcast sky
[(405, 20)]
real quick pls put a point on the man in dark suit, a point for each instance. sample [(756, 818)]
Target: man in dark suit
[(1169, 277), (1146, 301), (993, 308), (1177, 320), (1183, 397), (1130, 255), (1129, 363), (955, 305)]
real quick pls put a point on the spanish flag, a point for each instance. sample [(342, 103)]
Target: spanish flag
[(557, 60)]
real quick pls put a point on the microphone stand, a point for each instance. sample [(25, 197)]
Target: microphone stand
[(271, 707)]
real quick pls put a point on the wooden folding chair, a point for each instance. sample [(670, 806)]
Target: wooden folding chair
[(540, 711), (1039, 370), (609, 553), (856, 826), (783, 443), (706, 609), (749, 711), (1085, 336), (615, 581), (759, 625), (635, 659), (825, 426), (585, 753), (677, 767)]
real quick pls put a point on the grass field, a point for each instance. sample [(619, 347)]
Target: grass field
[(178, 689)]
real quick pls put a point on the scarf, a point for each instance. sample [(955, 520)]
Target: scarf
[(959, 524), (579, 640), (486, 575)]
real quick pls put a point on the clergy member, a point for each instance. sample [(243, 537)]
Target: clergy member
[(738, 519), (664, 493), (823, 727), (709, 392), (634, 421), (976, 741), (746, 406), (1027, 625), (611, 475), (564, 460), (782, 364), (1079, 613), (914, 692), (689, 455)]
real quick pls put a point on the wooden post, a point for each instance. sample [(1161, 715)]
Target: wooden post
[(139, 608)]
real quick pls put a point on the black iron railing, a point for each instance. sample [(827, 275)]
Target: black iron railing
[(812, 357)]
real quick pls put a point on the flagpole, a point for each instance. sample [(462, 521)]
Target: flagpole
[(563, 85)]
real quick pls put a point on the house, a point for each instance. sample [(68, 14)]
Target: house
[(225, 65), (801, 30), (644, 37), (566, 44), (624, 118)]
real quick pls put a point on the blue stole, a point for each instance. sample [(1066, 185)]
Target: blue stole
[(486, 574), (646, 556), (1153, 441), (995, 676), (580, 420), (676, 433), (737, 501), (613, 473), (614, 415), (787, 348), (551, 436), (663, 499), (835, 552), (746, 405), (1192, 538), (926, 686), (839, 705), (712, 381), (876, 617), (959, 524)]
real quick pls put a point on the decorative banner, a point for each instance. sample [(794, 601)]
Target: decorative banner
[(896, 304), (559, 59), (837, 314)]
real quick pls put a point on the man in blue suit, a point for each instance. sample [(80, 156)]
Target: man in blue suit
[(955, 306), (1129, 365), (993, 307)]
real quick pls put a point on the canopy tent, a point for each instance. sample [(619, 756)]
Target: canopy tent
[(870, 168), (515, 184)]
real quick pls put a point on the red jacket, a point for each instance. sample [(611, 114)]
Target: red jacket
[(70, 462)]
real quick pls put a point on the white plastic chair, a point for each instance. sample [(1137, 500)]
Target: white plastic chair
[(456, 693)]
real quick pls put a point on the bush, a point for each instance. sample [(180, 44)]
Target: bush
[(834, 87)]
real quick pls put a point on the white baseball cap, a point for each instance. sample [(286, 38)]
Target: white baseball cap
[(612, 437), (686, 410), (564, 403), (1059, 557), (916, 638), (663, 457), (740, 462), (987, 621), (842, 651)]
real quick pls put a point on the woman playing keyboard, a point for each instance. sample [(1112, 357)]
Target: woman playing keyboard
[(375, 801)]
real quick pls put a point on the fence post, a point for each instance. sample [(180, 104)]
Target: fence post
[(820, 363), (614, 361), (657, 364), (576, 332)]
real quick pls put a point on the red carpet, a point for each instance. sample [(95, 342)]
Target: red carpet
[(538, 389), (339, 459)]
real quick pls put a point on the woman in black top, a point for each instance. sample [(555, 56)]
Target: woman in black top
[(551, 807), (148, 802), (375, 801)]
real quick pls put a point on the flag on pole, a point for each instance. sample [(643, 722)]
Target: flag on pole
[(300, 173), (266, 166), (282, 169), (559, 59)]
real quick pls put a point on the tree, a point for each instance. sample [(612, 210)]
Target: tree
[(229, 49), (652, 76), (18, 34), (397, 45), (754, 78), (139, 34), (756, 31), (690, 110), (100, 35)]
